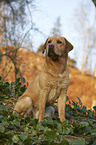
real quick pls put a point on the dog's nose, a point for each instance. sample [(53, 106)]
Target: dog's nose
[(51, 47)]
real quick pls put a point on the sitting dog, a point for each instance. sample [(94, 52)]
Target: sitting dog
[(50, 85)]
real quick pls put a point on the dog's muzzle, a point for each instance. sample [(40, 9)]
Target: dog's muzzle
[(51, 48), (51, 52)]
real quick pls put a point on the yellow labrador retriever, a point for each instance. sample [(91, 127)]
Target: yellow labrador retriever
[(51, 84)]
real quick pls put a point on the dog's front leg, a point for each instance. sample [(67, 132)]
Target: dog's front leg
[(61, 106), (42, 103)]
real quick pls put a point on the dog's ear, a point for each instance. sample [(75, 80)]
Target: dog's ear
[(69, 46), (44, 47)]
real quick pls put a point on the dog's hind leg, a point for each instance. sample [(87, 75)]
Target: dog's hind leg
[(24, 105), (49, 112)]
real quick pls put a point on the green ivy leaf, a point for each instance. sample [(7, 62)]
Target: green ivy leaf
[(16, 114), (2, 128), (66, 130), (23, 136), (84, 109), (67, 98), (59, 127), (0, 78), (33, 132), (1, 116), (40, 127), (94, 108), (84, 124), (94, 125), (5, 123), (3, 107), (64, 142), (93, 133), (32, 121), (88, 130), (23, 80), (94, 143), (16, 122), (9, 134), (52, 135), (26, 129), (79, 101), (27, 84), (47, 129), (78, 141), (42, 137), (15, 139)]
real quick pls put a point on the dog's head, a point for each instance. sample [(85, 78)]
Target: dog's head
[(57, 47)]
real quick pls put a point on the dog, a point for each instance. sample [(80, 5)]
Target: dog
[(50, 85)]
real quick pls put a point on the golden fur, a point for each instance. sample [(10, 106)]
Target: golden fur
[(51, 84)]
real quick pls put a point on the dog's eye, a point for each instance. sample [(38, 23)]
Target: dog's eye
[(59, 42), (49, 41)]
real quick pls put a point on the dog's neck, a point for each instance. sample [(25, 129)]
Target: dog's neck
[(56, 67)]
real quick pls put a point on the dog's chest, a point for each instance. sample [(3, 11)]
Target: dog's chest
[(55, 91)]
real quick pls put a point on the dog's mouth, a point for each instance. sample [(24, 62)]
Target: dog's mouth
[(53, 55)]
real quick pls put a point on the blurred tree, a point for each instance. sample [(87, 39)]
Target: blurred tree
[(71, 62), (40, 50), (86, 31), (94, 1), (56, 30), (14, 17)]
